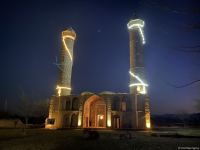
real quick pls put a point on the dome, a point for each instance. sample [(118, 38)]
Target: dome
[(107, 92), (86, 93)]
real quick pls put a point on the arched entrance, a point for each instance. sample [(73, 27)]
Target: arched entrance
[(94, 112), (74, 121), (116, 121)]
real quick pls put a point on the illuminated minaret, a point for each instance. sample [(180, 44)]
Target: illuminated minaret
[(137, 41), (138, 85), (66, 62)]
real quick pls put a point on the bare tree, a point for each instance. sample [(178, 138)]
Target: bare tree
[(192, 9), (40, 108), (25, 107)]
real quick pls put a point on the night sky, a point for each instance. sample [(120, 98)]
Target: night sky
[(30, 35)]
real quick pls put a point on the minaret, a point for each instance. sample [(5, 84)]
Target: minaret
[(137, 41), (66, 61), (138, 85)]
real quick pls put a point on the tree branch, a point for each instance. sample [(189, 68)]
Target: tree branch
[(184, 85)]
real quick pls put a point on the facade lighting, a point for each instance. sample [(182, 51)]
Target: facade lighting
[(109, 123), (79, 121), (59, 88), (147, 115), (148, 125), (101, 117), (109, 119)]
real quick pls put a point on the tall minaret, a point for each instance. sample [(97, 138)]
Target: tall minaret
[(66, 62), (138, 85), (137, 41)]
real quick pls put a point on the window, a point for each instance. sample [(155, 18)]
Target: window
[(74, 120), (116, 103), (67, 107), (51, 121), (75, 103), (123, 106)]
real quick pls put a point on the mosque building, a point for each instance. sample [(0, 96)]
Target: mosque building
[(106, 109)]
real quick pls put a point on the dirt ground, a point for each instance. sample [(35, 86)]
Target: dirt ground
[(43, 139)]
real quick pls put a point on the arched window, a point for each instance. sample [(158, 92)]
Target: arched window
[(74, 121), (116, 103), (116, 121), (68, 104), (66, 121), (123, 105), (75, 103)]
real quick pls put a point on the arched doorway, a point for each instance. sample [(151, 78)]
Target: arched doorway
[(74, 121), (116, 121), (94, 112)]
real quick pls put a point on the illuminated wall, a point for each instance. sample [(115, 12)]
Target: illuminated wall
[(66, 62), (147, 114)]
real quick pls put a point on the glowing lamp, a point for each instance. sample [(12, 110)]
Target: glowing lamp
[(109, 123), (148, 125), (79, 122), (101, 117)]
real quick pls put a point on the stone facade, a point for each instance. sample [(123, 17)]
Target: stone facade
[(89, 110)]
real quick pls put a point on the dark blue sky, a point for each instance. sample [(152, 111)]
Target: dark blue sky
[(30, 40)]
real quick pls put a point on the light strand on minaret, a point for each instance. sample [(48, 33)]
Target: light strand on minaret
[(137, 40), (137, 23), (66, 48), (143, 85), (66, 61)]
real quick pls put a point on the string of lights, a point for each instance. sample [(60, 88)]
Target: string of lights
[(141, 83)]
